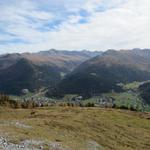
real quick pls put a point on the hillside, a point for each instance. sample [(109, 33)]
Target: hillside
[(26, 75), (145, 92), (35, 70), (102, 73), (68, 128)]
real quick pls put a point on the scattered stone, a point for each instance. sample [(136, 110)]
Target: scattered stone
[(92, 145), (29, 145), (15, 123)]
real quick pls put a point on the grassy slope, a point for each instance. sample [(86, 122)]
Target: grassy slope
[(76, 127), (129, 98), (132, 86)]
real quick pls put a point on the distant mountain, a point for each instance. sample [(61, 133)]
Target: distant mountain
[(35, 70), (83, 53), (67, 60), (103, 73)]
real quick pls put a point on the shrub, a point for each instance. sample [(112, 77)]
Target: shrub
[(90, 104)]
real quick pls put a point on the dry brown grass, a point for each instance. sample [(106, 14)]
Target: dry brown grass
[(75, 127)]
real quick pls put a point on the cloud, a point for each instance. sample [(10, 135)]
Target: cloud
[(74, 25)]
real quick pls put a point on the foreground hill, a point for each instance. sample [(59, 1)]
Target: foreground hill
[(35, 70), (67, 128), (103, 73)]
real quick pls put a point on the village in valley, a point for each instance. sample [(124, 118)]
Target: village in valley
[(39, 98)]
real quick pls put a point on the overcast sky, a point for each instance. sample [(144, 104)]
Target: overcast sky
[(33, 25)]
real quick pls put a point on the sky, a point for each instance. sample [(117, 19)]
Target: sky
[(35, 25)]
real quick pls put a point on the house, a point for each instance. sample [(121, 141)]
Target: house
[(78, 98)]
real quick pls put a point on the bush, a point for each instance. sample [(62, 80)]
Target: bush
[(90, 104)]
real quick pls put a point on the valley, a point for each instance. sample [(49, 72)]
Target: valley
[(115, 79)]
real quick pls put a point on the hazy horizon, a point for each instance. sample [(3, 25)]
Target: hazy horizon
[(20, 52)]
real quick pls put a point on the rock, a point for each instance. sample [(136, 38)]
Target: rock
[(25, 91)]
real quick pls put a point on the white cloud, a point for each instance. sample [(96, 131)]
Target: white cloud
[(113, 24)]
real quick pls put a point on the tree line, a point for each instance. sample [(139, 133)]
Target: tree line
[(6, 101)]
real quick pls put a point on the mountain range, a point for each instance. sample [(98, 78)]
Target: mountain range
[(105, 72), (33, 71), (73, 72)]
